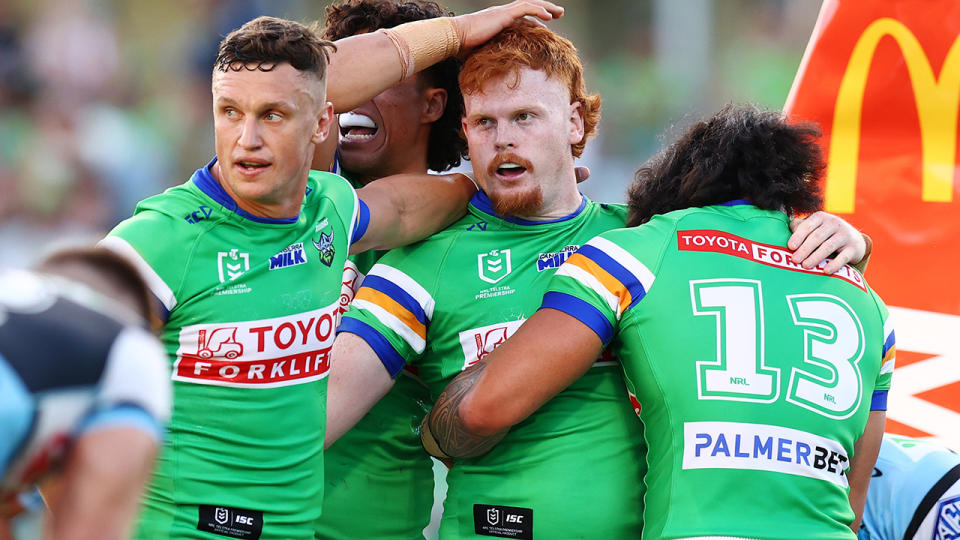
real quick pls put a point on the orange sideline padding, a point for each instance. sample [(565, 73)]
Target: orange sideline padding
[(883, 81)]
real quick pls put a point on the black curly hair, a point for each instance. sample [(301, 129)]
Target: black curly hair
[(350, 17), (742, 152)]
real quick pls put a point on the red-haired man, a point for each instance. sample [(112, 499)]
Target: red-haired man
[(445, 303)]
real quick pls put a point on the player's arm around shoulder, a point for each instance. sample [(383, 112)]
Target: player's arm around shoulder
[(408, 207), (822, 235), (366, 64), (480, 405)]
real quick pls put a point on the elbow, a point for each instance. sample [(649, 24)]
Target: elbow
[(483, 417)]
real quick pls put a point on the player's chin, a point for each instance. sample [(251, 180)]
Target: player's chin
[(356, 158)]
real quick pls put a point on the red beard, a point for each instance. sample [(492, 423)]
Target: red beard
[(517, 203)]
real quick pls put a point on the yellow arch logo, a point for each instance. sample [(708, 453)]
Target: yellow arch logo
[(937, 101)]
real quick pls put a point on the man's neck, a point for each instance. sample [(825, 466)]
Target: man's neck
[(559, 202), (554, 211), (415, 166)]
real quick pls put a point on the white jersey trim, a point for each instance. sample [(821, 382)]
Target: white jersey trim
[(159, 287), (138, 371)]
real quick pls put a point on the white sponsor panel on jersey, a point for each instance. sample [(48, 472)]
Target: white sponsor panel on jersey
[(352, 279), (479, 342), (264, 353), (761, 447)]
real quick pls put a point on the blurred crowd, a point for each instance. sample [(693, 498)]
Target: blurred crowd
[(105, 102)]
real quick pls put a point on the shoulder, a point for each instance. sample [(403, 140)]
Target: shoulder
[(330, 185), (156, 235), (168, 213), (159, 240), (426, 256), (172, 202), (633, 256), (654, 234), (326, 190), (613, 210)]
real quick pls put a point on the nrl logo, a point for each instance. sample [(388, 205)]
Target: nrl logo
[(325, 246), (232, 264), (493, 516), (494, 266)]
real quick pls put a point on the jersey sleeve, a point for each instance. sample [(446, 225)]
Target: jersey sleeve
[(887, 361), (391, 312), (145, 240), (361, 222), (358, 216), (604, 279)]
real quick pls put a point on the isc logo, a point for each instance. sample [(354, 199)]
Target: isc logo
[(503, 521), (245, 520)]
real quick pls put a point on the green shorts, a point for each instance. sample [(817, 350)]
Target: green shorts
[(161, 521)]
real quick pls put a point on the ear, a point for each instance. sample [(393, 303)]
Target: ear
[(324, 121), (576, 122), (324, 154), (435, 101)]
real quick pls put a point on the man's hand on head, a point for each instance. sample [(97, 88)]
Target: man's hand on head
[(821, 236), (474, 29)]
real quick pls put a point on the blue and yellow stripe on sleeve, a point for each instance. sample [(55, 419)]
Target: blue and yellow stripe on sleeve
[(608, 281), (401, 310)]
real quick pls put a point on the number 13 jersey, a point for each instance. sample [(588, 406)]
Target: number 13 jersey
[(754, 376)]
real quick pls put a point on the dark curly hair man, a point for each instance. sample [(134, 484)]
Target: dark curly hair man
[(397, 124), (408, 128)]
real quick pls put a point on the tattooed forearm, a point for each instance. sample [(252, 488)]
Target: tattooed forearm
[(446, 426)]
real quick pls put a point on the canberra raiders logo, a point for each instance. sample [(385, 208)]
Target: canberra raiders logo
[(324, 244)]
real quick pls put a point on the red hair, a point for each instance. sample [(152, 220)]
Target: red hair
[(540, 49)]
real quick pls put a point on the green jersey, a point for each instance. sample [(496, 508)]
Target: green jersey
[(379, 481), (571, 470), (252, 304), (755, 376)]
